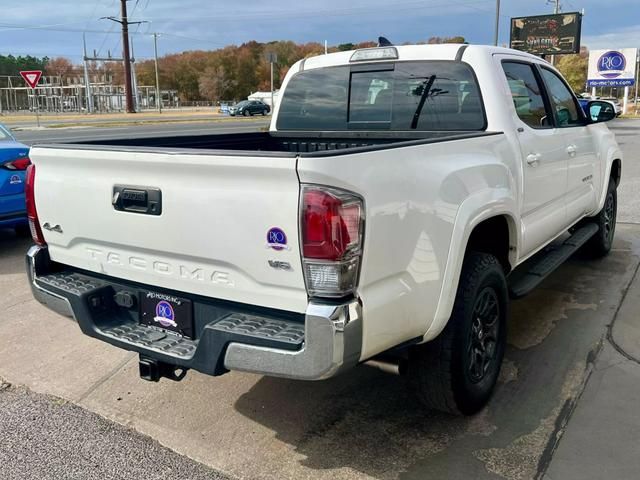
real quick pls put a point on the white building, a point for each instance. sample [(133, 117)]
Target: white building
[(265, 97)]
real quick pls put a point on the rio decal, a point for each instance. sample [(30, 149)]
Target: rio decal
[(165, 315), (277, 239)]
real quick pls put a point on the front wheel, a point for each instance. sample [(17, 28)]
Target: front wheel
[(247, 113), (457, 372), (600, 244)]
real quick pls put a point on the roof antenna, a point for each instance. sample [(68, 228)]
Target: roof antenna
[(384, 42)]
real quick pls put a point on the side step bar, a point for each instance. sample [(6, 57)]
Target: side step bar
[(541, 265)]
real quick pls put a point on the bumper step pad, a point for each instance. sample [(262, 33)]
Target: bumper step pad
[(218, 323), (262, 328)]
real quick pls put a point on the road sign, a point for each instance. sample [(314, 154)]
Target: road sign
[(612, 68), (32, 77)]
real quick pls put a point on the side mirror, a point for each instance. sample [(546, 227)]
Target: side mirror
[(599, 111)]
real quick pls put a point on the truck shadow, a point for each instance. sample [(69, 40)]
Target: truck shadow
[(12, 251), (365, 420), (369, 422)]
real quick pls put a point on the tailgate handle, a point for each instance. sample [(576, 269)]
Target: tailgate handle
[(143, 200)]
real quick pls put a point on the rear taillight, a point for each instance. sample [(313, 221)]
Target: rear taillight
[(20, 164), (332, 227), (32, 213)]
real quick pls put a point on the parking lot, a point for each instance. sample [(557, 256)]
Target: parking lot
[(363, 424)]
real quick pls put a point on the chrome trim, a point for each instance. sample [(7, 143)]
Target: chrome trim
[(333, 342), (51, 300)]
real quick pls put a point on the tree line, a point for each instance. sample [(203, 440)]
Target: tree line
[(11, 66), (233, 72)]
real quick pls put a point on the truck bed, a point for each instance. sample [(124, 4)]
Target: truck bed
[(277, 143)]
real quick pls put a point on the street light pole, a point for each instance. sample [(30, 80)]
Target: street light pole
[(158, 95), (497, 30)]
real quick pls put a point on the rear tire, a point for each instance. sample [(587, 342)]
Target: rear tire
[(457, 372), (600, 244)]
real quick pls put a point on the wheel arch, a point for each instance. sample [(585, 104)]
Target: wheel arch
[(492, 229)]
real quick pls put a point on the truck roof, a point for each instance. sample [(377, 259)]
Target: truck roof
[(447, 51)]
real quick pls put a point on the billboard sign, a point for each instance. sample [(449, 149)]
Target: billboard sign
[(612, 68), (547, 34)]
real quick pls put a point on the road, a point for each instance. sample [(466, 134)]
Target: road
[(78, 134), (364, 424)]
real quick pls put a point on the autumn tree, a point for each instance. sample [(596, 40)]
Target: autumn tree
[(574, 68), (59, 67), (439, 40), (216, 84)]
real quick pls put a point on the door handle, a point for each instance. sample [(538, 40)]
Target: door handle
[(572, 150), (533, 159)]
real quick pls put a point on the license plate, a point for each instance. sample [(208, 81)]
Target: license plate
[(170, 313)]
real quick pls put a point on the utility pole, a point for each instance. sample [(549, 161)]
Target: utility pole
[(272, 58), (126, 55), (87, 80), (497, 30), (556, 10), (134, 80), (637, 80), (158, 94)]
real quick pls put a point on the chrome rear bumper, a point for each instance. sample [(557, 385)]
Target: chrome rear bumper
[(332, 338)]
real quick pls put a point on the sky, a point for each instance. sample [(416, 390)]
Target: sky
[(54, 27)]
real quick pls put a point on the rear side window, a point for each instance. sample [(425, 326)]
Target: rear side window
[(433, 95), (526, 94)]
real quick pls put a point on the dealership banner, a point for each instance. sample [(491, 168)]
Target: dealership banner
[(612, 68)]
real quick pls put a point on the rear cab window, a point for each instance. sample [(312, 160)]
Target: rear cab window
[(526, 93), (400, 96)]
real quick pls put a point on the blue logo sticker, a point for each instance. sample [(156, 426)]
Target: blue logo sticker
[(277, 239), (165, 315), (612, 64), (14, 180)]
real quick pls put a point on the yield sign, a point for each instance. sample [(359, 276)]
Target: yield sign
[(32, 77)]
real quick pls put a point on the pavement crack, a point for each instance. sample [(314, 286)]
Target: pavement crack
[(610, 338), (19, 303), (105, 378)]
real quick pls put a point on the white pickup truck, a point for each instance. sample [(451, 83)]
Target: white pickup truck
[(400, 197)]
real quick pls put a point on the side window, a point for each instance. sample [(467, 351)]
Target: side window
[(526, 94), (565, 109)]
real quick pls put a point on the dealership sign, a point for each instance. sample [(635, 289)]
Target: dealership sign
[(612, 68), (547, 34)]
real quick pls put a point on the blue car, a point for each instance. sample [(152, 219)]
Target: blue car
[(14, 160)]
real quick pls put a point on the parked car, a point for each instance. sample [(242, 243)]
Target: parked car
[(400, 198), (615, 102), (249, 108), (14, 160), (585, 98)]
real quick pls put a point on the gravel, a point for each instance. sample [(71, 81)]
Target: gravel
[(43, 437)]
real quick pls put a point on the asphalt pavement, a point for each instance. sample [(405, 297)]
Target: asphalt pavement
[(47, 438), (564, 407)]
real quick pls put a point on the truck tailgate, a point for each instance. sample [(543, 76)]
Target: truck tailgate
[(211, 237)]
